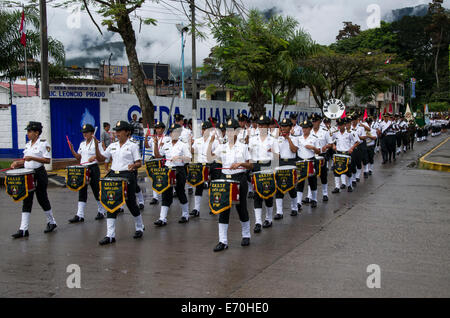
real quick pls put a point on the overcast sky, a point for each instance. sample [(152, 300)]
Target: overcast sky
[(321, 18)]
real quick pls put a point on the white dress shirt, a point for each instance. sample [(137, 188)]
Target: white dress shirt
[(303, 152), (283, 148), (123, 156), (179, 149), (323, 137), (40, 149), (229, 155), (87, 151), (344, 141), (201, 149), (261, 150)]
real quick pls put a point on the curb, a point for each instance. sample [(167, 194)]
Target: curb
[(430, 165)]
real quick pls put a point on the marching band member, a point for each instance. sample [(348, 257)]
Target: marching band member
[(371, 134), (106, 138), (199, 150), (125, 159), (324, 142), (398, 133), (36, 154), (220, 138), (307, 148), (261, 150), (404, 132), (235, 161), (287, 150), (185, 136), (86, 156), (388, 138), (177, 154), (345, 143), (358, 155), (296, 129), (149, 144), (243, 135)]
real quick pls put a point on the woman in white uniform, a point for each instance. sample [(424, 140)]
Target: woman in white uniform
[(36, 154)]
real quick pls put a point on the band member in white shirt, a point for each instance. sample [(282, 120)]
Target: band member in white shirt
[(371, 134), (261, 150), (125, 159), (296, 129), (235, 161), (345, 143), (177, 155), (35, 155), (388, 140), (307, 148), (86, 157)]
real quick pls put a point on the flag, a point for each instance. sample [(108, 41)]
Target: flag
[(365, 114), (408, 114), (388, 61), (343, 115), (380, 116), (23, 30), (390, 109)]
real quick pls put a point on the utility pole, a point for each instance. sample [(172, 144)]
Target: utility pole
[(194, 64), (44, 50), (154, 78)]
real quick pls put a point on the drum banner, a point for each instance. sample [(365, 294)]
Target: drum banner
[(318, 167), (340, 164), (17, 187), (264, 184), (220, 197), (196, 174), (160, 179), (112, 194), (286, 180), (302, 168), (150, 165), (75, 178)]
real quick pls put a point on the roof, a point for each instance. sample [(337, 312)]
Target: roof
[(21, 89)]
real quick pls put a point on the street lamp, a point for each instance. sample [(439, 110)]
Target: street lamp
[(182, 29)]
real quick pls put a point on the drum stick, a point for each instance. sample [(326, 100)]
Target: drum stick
[(68, 142), (6, 169), (230, 169)]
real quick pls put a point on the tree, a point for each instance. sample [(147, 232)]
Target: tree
[(12, 53), (350, 30)]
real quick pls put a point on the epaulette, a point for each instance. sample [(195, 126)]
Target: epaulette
[(43, 140)]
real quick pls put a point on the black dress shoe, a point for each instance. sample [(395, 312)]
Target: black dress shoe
[(153, 201), (366, 175), (210, 213), (267, 224), (138, 234), (250, 195), (350, 189), (370, 173), (99, 216), (294, 213), (141, 206), (245, 241), (183, 220), (190, 191), (220, 247), (325, 198), (195, 213), (257, 228), (175, 194), (343, 186), (313, 204), (278, 216), (107, 240), (49, 228), (20, 233), (76, 219), (120, 210), (354, 183), (306, 200), (336, 190), (299, 207), (160, 223), (358, 179)]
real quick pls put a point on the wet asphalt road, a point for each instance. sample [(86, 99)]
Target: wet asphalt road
[(398, 219)]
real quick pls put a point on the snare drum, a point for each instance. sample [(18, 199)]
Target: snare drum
[(234, 188), (77, 177), (286, 178), (305, 168), (113, 192), (197, 173), (341, 163), (152, 164), (19, 182), (264, 183)]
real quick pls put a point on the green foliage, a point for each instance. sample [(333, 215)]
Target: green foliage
[(439, 107)]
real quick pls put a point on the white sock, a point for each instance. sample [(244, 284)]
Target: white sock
[(358, 173), (223, 233), (344, 179), (250, 186), (155, 195), (139, 223), (325, 189), (279, 204), (81, 206), (309, 193), (111, 227), (337, 182), (140, 197), (185, 210), (353, 177), (100, 208), (163, 213), (25, 221), (269, 214), (366, 168), (299, 197), (258, 213), (370, 166), (198, 201), (294, 206), (50, 217), (314, 195), (245, 229)]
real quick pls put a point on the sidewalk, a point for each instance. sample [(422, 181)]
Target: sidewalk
[(438, 158)]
